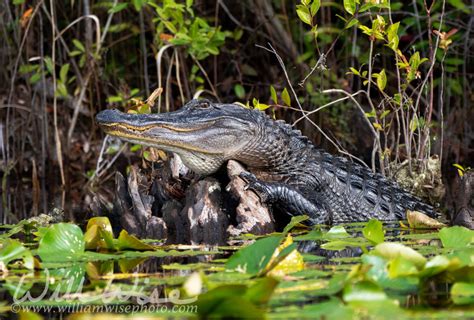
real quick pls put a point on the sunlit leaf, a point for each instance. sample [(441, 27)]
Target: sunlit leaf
[(273, 95), (127, 241), (350, 6), (373, 231), (401, 267), (285, 96), (254, 258), (304, 14), (382, 80), (462, 293), (62, 242), (13, 250), (392, 250), (286, 259), (363, 291), (456, 237)]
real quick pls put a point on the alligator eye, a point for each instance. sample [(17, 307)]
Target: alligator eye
[(203, 105)]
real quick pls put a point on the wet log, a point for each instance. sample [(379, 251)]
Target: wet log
[(252, 215)]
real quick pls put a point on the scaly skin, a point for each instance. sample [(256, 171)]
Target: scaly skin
[(287, 170)]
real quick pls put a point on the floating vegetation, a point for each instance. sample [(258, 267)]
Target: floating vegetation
[(350, 271)]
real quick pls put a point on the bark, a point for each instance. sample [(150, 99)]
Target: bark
[(251, 214)]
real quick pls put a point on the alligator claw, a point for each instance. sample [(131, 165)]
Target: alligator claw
[(247, 176), (260, 188)]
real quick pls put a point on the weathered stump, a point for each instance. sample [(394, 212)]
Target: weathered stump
[(133, 207), (251, 214), (464, 202), (171, 206)]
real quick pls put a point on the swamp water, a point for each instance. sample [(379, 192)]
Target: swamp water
[(354, 271)]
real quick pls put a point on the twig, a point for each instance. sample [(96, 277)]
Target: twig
[(429, 76), (59, 153), (159, 58)]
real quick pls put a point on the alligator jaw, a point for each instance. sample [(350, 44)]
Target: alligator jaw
[(155, 130)]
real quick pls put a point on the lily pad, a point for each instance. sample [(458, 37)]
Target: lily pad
[(254, 258), (13, 250), (392, 250), (373, 231), (127, 241), (456, 237), (462, 293), (61, 242)]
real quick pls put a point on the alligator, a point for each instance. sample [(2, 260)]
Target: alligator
[(285, 169)]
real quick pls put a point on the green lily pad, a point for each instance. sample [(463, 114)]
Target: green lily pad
[(363, 291), (373, 231), (392, 250), (13, 250), (254, 258), (463, 293), (456, 237), (99, 234), (61, 242), (127, 241)]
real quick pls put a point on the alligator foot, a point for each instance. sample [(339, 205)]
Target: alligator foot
[(259, 187), (287, 199)]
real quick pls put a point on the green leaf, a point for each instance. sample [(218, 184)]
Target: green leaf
[(350, 6), (118, 7), (63, 72), (261, 106), (373, 231), (295, 220), (392, 250), (138, 4), (79, 45), (351, 23), (456, 237), (239, 91), (285, 96), (392, 36), (127, 241), (363, 291), (354, 71), (461, 169), (382, 80), (462, 293), (49, 64), (12, 250), (315, 7), (254, 258), (261, 292), (304, 14), (273, 95), (227, 301), (99, 234), (401, 267), (336, 232), (61, 242)]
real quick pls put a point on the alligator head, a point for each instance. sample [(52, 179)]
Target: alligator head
[(204, 134)]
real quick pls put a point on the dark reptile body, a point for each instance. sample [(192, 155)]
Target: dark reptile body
[(290, 172), (343, 191)]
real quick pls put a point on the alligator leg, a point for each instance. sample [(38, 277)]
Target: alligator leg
[(286, 198)]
